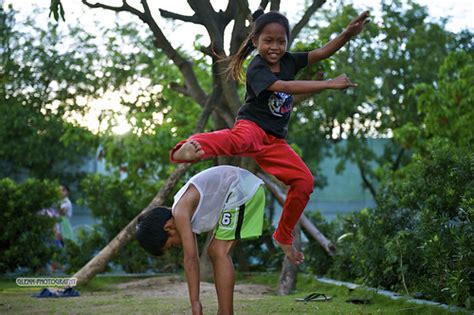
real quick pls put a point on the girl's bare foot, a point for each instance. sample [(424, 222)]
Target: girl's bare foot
[(294, 256), (189, 151)]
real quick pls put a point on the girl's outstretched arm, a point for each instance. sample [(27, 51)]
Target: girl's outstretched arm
[(354, 28), (303, 87)]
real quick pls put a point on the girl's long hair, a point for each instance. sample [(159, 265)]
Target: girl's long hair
[(260, 21)]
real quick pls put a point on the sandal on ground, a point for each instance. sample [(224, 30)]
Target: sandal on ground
[(358, 301), (314, 297), (46, 293), (69, 292)]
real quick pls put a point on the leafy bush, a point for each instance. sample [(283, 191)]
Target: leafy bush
[(86, 245), (115, 203), (317, 259), (420, 235), (26, 238)]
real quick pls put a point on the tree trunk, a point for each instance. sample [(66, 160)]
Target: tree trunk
[(289, 272), (317, 235)]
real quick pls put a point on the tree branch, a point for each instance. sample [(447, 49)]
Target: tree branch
[(206, 112), (240, 30), (212, 21), (304, 19), (184, 65), (180, 89), (366, 181), (186, 18), (162, 43), (398, 160), (229, 12), (226, 116), (275, 5), (125, 7), (263, 4)]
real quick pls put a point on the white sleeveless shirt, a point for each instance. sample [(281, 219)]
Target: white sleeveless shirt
[(221, 188)]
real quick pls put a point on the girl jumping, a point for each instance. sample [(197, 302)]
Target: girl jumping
[(262, 122)]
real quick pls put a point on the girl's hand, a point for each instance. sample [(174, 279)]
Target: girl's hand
[(341, 82), (357, 25)]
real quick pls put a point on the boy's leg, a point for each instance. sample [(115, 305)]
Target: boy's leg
[(280, 160), (243, 222), (224, 278), (243, 139)]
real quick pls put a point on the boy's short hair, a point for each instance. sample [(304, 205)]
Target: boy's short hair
[(150, 231)]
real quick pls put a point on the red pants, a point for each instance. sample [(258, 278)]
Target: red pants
[(273, 155)]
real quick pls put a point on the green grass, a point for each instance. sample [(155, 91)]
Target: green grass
[(101, 296)]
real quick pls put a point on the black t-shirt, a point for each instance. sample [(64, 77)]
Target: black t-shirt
[(270, 110)]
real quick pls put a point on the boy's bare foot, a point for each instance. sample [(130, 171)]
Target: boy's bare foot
[(189, 151), (294, 256)]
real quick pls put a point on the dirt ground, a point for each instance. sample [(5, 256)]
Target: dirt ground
[(174, 286)]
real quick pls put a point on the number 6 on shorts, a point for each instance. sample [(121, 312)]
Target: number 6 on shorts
[(226, 218)]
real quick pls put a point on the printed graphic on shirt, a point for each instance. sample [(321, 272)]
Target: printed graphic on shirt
[(280, 103)]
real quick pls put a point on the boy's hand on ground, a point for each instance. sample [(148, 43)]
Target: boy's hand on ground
[(197, 308), (341, 82)]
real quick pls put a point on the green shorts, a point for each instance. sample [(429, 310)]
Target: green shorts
[(243, 222)]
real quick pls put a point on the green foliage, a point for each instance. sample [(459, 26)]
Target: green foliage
[(389, 58), (115, 204), (447, 105), (89, 241), (420, 235), (26, 237), (40, 88)]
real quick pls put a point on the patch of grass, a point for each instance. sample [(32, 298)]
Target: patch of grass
[(307, 284), (100, 296)]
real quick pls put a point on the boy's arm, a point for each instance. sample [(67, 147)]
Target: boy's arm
[(304, 87), (190, 260), (354, 28)]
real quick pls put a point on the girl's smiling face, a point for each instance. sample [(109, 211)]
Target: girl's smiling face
[(271, 44)]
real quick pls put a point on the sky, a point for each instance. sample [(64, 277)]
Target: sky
[(459, 12)]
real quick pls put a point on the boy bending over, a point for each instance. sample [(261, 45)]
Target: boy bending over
[(228, 199)]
